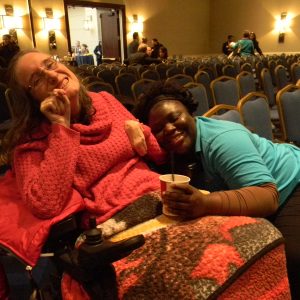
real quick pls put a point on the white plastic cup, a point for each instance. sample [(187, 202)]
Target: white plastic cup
[(165, 185)]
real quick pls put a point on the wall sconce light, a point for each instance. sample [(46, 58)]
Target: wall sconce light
[(51, 24), (283, 25), (136, 24), (12, 22)]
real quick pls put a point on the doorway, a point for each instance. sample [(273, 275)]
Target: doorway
[(90, 22)]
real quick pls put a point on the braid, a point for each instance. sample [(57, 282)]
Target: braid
[(157, 92)]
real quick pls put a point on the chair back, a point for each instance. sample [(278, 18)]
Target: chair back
[(100, 86), (162, 70), (199, 95), (267, 85), (288, 103), (90, 79), (295, 72), (139, 87), (255, 113), (190, 70), (107, 76), (246, 83), (124, 82), (173, 70), (224, 112), (4, 110), (225, 90), (229, 70), (281, 77), (150, 74), (246, 67), (203, 78), (182, 79)]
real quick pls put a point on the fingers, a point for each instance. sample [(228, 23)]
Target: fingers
[(136, 137)]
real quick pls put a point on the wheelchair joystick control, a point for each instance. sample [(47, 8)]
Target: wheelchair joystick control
[(93, 236)]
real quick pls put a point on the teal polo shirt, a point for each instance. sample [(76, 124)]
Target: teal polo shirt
[(235, 158)]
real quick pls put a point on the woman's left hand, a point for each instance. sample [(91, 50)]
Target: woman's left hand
[(185, 201), (136, 136)]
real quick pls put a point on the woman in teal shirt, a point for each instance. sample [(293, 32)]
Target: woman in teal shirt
[(250, 175)]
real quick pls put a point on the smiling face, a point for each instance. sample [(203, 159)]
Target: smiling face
[(173, 126), (40, 75)]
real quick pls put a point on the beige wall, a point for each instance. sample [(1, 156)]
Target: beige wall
[(233, 16), (189, 27), (182, 26)]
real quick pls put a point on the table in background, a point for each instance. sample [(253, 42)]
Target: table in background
[(85, 60)]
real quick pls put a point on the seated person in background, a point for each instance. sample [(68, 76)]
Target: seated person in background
[(163, 53), (141, 57), (60, 134), (251, 175), (144, 42), (244, 46), (227, 46), (255, 43), (8, 48), (155, 48), (84, 49)]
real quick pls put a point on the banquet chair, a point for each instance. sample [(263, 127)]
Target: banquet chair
[(271, 65), (288, 103), (209, 70), (199, 95), (139, 86), (150, 74), (181, 79), (203, 78), (255, 114), (258, 68), (124, 82), (162, 70), (246, 67), (246, 83), (90, 79), (4, 111), (190, 70), (173, 70), (99, 86), (224, 112), (225, 90), (108, 76), (281, 77), (295, 72), (229, 70)]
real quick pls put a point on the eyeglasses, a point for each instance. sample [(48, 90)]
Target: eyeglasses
[(39, 77)]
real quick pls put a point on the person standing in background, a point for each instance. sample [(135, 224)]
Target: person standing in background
[(244, 47), (255, 43), (98, 53), (226, 47), (133, 46), (8, 48)]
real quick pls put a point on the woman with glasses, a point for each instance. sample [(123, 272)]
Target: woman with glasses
[(63, 138)]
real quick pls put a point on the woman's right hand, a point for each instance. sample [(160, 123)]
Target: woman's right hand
[(56, 108)]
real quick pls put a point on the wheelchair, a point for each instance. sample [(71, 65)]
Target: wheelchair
[(89, 262)]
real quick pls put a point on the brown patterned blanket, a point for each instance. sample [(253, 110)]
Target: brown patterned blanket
[(200, 259), (207, 258)]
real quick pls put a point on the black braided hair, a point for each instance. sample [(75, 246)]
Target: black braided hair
[(157, 92)]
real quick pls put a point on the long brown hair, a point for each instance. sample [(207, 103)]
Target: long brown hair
[(25, 111)]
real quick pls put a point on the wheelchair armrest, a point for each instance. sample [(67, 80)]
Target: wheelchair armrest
[(63, 233)]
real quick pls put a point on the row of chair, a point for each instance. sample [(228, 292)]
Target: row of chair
[(253, 111)]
